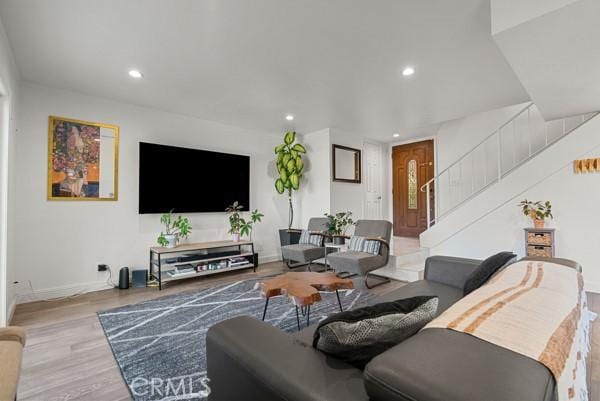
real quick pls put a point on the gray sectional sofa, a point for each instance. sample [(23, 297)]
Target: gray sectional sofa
[(251, 360)]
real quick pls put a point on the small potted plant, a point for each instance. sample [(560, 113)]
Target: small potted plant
[(538, 211), (238, 226), (338, 225), (175, 229)]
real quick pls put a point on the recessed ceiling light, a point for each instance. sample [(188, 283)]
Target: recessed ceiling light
[(408, 71), (289, 117), (396, 135), (135, 74)]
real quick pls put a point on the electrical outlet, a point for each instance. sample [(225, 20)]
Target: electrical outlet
[(102, 268)]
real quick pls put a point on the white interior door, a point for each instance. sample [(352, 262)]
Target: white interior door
[(373, 181)]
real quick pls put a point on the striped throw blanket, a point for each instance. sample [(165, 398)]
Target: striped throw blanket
[(537, 309)]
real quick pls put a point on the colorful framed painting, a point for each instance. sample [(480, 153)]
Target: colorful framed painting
[(83, 160)]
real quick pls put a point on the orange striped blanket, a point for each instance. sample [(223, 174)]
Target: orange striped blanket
[(535, 309)]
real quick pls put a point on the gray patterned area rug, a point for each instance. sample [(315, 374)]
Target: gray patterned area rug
[(159, 344)]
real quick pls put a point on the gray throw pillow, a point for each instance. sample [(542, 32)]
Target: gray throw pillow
[(486, 270), (359, 335)]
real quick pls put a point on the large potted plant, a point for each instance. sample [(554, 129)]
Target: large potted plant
[(238, 226), (538, 211), (338, 224), (290, 167), (175, 229)]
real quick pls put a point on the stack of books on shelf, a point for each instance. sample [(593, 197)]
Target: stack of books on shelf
[(238, 261), (181, 270), (211, 266)]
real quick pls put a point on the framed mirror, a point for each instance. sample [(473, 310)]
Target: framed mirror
[(83, 160), (346, 164)]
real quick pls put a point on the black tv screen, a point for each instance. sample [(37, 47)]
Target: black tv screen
[(191, 180)]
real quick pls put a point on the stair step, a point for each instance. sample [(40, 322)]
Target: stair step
[(411, 258), (406, 272)]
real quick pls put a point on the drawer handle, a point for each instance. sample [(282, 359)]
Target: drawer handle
[(539, 248)]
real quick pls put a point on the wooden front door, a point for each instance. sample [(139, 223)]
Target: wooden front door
[(412, 167)]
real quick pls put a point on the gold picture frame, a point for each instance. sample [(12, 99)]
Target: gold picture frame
[(83, 160)]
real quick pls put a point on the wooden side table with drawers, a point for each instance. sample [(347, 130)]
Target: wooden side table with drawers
[(539, 242)]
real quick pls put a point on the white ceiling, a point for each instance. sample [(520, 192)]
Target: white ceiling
[(557, 58), (333, 63), (508, 14)]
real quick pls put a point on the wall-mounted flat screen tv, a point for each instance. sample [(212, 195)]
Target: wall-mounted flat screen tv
[(191, 180)]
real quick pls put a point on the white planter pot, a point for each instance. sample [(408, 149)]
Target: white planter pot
[(236, 237), (172, 239)]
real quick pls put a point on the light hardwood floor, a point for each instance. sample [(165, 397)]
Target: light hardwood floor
[(67, 356)]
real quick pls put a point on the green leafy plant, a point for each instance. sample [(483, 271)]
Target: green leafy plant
[(290, 168), (538, 210), (180, 227), (338, 223), (237, 223)]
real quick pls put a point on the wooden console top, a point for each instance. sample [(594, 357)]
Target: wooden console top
[(198, 245)]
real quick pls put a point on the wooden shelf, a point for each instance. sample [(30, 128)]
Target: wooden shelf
[(158, 268), (189, 262), (206, 272), (160, 250)]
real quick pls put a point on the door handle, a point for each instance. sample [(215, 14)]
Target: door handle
[(379, 197)]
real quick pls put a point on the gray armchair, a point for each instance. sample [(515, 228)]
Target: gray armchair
[(305, 254), (362, 263)]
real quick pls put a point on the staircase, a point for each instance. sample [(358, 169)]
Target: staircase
[(407, 260), (503, 166), (516, 142)]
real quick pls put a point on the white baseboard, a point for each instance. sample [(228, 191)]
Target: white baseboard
[(82, 288), (60, 292), (269, 258), (592, 286)]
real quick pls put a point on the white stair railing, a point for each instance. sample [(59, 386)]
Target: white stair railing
[(519, 139)]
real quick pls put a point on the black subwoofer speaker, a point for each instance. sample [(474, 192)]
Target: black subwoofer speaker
[(124, 278), (139, 278)]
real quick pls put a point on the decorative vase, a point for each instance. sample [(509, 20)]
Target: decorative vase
[(337, 240), (172, 240), (236, 237), (538, 223)]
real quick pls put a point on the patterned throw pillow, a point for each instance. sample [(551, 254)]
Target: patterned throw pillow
[(357, 243), (307, 238), (362, 244), (304, 237), (372, 246), (358, 335)]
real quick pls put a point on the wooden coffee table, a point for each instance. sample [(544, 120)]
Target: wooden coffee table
[(302, 288)]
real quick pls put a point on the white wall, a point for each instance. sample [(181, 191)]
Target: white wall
[(320, 194), (9, 86), (58, 245), (455, 138), (346, 196), (492, 222), (314, 197)]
